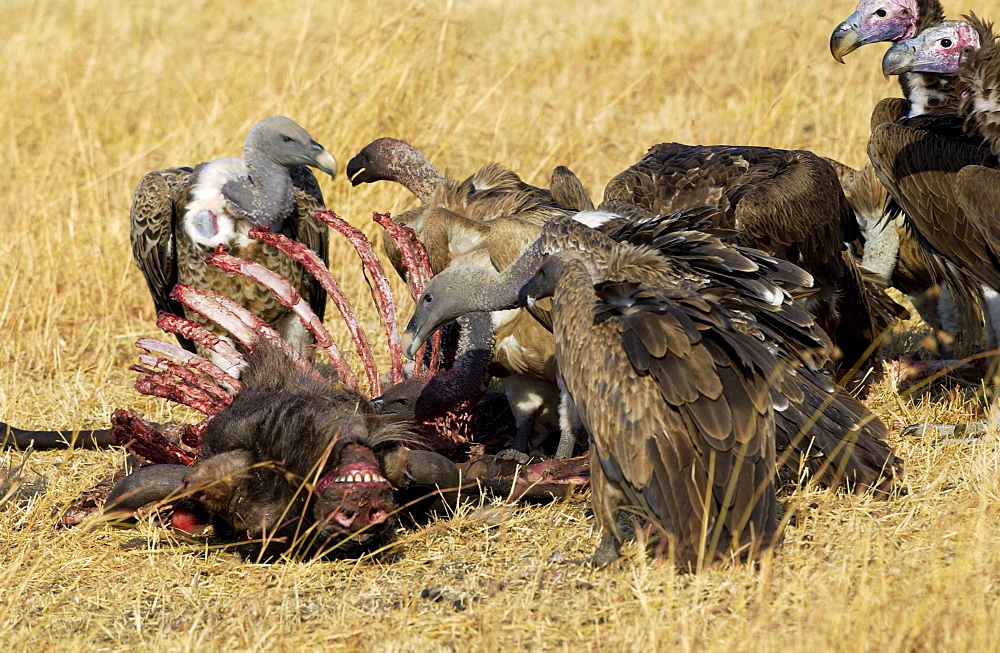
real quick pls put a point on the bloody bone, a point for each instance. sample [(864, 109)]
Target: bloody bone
[(315, 266), (191, 360), (406, 239), (139, 437), (165, 386), (288, 296), (194, 331), (418, 265), (244, 325), (187, 375), (384, 301)]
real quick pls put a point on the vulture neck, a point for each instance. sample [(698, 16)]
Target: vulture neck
[(451, 388), (267, 196), (408, 166), (500, 291), (930, 93)]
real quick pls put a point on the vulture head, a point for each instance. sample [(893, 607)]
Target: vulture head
[(938, 49), (391, 159), (874, 21), (451, 293), (273, 146)]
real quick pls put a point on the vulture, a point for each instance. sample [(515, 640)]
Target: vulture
[(486, 219), (833, 434), (918, 162), (931, 100), (679, 403), (181, 214), (787, 203), (947, 186)]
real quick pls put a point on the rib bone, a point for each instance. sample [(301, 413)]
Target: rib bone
[(377, 275), (315, 266), (285, 293), (194, 331)]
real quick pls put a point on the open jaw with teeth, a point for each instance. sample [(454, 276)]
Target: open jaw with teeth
[(286, 458)]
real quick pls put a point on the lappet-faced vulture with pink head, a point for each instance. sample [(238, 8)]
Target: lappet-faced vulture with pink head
[(947, 184)]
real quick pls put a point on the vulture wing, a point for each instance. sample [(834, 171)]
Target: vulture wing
[(682, 425), (919, 169), (156, 205), (302, 226), (977, 191)]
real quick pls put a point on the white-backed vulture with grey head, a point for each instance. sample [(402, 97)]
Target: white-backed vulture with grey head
[(179, 215)]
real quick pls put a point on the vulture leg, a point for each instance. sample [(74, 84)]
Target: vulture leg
[(570, 427), (950, 433)]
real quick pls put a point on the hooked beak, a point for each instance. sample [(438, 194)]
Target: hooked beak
[(356, 168), (846, 38), (323, 159), (899, 59), (415, 342)]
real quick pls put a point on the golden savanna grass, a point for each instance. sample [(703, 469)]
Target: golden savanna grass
[(97, 93)]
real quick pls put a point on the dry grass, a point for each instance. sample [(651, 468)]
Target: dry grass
[(97, 93)]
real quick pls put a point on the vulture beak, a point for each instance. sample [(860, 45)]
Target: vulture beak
[(847, 37), (899, 59), (377, 404), (356, 168), (323, 159), (415, 341)]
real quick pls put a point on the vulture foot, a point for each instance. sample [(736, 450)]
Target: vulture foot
[(519, 457), (607, 551), (949, 433)]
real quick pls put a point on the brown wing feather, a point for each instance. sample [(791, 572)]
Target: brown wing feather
[(919, 169), (686, 435), (977, 191), (156, 204), (303, 227)]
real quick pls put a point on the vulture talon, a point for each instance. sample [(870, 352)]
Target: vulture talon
[(519, 457), (948, 433)]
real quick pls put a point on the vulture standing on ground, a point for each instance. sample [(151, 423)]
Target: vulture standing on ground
[(835, 436), (789, 204), (948, 186), (677, 400), (181, 214)]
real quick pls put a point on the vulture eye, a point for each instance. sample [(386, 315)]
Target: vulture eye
[(402, 402), (946, 43), (428, 299), (286, 139), (881, 13)]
